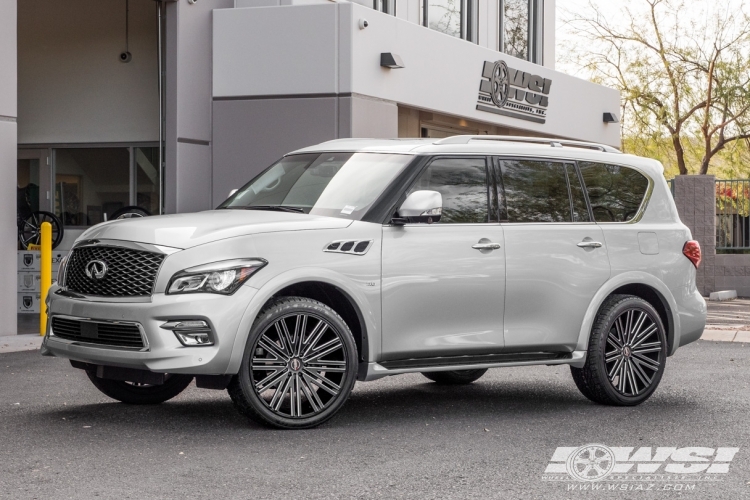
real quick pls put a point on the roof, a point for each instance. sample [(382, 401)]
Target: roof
[(494, 145)]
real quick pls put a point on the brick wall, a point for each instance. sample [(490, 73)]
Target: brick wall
[(695, 197)]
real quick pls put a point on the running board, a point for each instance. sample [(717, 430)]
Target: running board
[(396, 367)]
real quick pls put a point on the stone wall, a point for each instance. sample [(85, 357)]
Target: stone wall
[(695, 197)]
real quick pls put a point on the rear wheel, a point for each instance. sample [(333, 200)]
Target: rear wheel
[(141, 394), (627, 353), (455, 377), (299, 366)]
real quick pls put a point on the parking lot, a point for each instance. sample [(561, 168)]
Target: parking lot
[(400, 437)]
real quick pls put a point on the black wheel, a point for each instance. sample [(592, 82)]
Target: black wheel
[(455, 377), (141, 394), (30, 229), (130, 213), (627, 353), (299, 365)]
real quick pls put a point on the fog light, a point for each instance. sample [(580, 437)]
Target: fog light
[(191, 332), (194, 338)]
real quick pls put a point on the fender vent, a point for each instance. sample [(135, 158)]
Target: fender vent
[(354, 247)]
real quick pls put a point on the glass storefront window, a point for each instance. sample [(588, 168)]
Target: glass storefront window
[(515, 28), (91, 184), (147, 179), (28, 186)]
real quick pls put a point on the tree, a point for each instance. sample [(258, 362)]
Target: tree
[(683, 72)]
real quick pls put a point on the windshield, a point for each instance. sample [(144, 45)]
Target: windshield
[(342, 185)]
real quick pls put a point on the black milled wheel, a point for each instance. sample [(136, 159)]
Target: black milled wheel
[(627, 353), (141, 394), (299, 365), (455, 377)]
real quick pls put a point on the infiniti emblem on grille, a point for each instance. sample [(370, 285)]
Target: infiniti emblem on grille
[(96, 269)]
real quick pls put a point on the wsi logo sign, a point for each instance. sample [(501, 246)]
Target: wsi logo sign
[(597, 462)]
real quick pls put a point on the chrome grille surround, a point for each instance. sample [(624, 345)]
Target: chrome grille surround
[(100, 333), (130, 272)]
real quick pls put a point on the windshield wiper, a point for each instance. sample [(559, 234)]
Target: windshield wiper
[(277, 208)]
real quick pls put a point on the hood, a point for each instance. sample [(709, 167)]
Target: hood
[(190, 230)]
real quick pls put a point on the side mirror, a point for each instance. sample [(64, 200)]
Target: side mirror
[(420, 207), (232, 192)]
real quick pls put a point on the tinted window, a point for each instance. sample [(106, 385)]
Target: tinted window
[(580, 210), (463, 184), (535, 191), (615, 192)]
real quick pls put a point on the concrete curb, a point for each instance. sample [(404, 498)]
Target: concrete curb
[(725, 335), (17, 343)]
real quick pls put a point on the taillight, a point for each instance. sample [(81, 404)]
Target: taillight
[(692, 251)]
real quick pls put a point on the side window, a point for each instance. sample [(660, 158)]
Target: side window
[(578, 200), (463, 184), (615, 192), (535, 191)]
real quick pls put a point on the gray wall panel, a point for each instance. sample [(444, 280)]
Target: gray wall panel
[(8, 175), (249, 135), (193, 178)]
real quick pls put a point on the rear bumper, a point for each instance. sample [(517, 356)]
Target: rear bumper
[(691, 309), (163, 352)]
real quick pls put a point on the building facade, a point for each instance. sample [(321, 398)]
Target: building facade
[(168, 105)]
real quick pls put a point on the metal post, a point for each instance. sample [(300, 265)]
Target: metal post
[(160, 59), (46, 271)]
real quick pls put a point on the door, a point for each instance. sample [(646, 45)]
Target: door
[(443, 283), (33, 180), (556, 257)]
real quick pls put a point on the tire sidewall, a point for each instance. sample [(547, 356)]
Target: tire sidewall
[(641, 305), (268, 317)]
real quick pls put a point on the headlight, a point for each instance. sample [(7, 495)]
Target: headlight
[(223, 277)]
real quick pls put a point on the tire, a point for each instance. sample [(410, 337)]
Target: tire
[(627, 353), (455, 377), (134, 394), (316, 369), (30, 232), (130, 213)]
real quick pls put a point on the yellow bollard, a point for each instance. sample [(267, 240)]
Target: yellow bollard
[(46, 269)]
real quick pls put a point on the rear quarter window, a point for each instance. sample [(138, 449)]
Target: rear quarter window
[(615, 192)]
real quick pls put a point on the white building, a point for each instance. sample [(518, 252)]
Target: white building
[(245, 81)]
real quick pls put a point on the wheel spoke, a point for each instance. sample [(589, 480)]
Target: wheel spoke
[(321, 382), (639, 323), (284, 337), (611, 340), (631, 377), (315, 336), (272, 347), (647, 362), (647, 349), (641, 374), (327, 366), (310, 395), (270, 381), (278, 397), (644, 335), (299, 333), (327, 348)]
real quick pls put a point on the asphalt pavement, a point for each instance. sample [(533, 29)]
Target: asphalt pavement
[(399, 437)]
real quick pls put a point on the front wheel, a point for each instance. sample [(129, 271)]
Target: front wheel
[(299, 365), (627, 353), (141, 394)]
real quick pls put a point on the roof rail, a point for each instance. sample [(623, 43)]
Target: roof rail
[(555, 143)]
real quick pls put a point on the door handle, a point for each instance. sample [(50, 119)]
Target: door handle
[(590, 244), (486, 246)]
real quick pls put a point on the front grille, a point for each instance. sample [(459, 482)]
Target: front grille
[(130, 273), (111, 334)]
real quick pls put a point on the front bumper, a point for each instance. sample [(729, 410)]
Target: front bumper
[(164, 352)]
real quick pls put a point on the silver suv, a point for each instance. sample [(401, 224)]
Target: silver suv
[(358, 259)]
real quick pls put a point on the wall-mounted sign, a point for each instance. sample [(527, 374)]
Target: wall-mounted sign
[(510, 92)]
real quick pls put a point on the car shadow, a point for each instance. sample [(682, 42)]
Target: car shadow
[(200, 411)]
